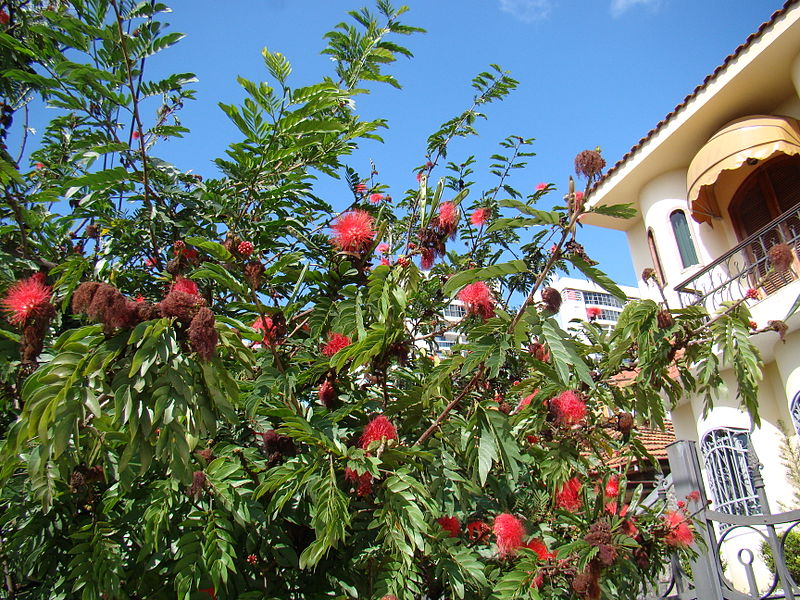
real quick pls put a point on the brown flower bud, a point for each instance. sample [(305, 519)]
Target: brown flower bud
[(589, 164), (253, 272), (552, 299), (780, 327), (780, 255), (665, 319), (625, 422)]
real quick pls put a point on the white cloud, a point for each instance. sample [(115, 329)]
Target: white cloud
[(527, 10), (618, 7)]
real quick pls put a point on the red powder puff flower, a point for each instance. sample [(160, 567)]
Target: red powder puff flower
[(150, 262), (361, 188), (375, 198), (631, 530), (245, 249), (477, 531), (612, 487), (25, 297), (578, 197), (353, 231), (478, 299), (568, 497), (681, 504), (383, 248), (266, 325), (136, 135), (679, 534), (385, 261), (4, 18), (327, 393), (541, 186), (479, 217), (593, 312), (568, 409), (694, 496), (377, 430), (202, 334), (509, 532), (38, 165), (611, 508), (336, 341), (450, 524), (426, 259), (186, 286), (362, 482), (540, 548), (447, 221)]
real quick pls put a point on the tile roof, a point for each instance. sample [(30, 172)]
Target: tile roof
[(709, 78), (655, 442)]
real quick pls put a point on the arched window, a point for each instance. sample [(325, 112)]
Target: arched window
[(725, 455), (794, 409), (683, 237), (651, 243)]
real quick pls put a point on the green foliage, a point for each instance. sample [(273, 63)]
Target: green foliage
[(791, 550), (166, 444)]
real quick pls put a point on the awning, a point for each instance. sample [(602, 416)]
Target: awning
[(751, 138)]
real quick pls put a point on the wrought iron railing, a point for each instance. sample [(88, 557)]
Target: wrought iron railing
[(744, 267)]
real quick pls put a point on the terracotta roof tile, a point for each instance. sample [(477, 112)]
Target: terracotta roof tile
[(655, 442), (709, 78)]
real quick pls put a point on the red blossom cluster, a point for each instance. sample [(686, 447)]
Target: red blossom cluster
[(569, 496), (509, 532), (378, 430), (480, 216), (27, 305), (362, 482), (336, 342), (477, 531), (353, 232), (679, 532), (479, 299), (568, 409), (450, 524)]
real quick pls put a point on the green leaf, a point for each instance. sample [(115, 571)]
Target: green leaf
[(471, 275), (564, 354), (597, 276), (618, 211), (215, 249)]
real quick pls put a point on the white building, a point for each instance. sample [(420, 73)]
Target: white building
[(716, 183), (585, 300)]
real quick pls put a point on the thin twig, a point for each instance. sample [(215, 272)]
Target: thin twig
[(453, 403)]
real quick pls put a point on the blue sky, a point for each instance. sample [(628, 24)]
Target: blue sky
[(592, 73)]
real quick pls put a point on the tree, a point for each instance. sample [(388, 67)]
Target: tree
[(222, 388)]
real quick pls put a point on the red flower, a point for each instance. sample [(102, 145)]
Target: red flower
[(752, 293), (509, 531), (266, 325), (4, 17), (480, 216), (336, 341), (426, 259), (451, 524), (139, 299), (363, 482), (478, 299), (694, 496), (753, 325), (25, 298), (377, 430), (245, 249), (252, 559), (681, 504), (383, 248), (679, 534), (39, 165), (136, 135), (593, 312), (477, 531), (327, 393), (353, 231), (185, 285), (631, 530), (447, 221), (578, 197), (568, 409), (612, 487), (375, 198), (385, 261), (539, 547), (210, 591), (611, 508), (361, 188), (150, 262), (568, 497)]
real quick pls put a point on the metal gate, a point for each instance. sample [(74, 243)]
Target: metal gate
[(709, 580)]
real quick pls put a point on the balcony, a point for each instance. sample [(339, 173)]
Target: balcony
[(744, 267)]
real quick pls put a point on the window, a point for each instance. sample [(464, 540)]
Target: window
[(771, 191), (683, 237), (725, 454), (609, 315), (794, 409), (600, 298), (651, 243), (455, 311)]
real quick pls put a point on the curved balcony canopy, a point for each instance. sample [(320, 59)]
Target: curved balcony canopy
[(740, 142)]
